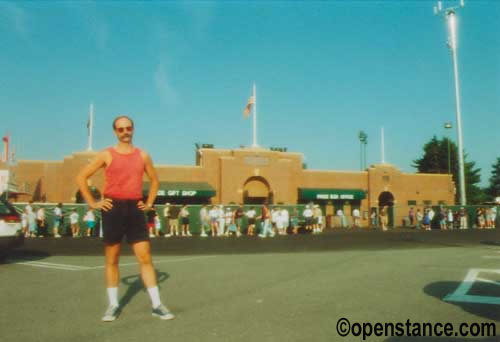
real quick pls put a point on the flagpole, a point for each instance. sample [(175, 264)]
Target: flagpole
[(254, 117), (91, 124)]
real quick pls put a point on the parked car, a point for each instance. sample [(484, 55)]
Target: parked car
[(11, 235)]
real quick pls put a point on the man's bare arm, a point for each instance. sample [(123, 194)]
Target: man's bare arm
[(153, 177), (82, 178)]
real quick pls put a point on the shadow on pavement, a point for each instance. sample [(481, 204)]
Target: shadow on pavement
[(491, 242), (488, 311), (135, 286), (23, 255)]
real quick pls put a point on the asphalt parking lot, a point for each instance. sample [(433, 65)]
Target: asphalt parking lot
[(291, 288)]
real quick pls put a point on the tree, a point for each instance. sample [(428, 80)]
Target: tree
[(435, 160), (494, 189)]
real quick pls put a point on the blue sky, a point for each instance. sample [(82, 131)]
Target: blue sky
[(184, 71)]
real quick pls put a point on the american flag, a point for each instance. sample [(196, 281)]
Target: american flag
[(5, 140), (251, 102)]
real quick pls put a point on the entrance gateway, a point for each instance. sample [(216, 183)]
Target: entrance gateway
[(257, 190), (386, 199)]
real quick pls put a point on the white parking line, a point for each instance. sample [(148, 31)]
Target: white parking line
[(160, 261), (52, 266), (461, 293), (66, 267)]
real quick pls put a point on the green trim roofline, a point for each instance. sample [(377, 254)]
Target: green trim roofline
[(310, 194)]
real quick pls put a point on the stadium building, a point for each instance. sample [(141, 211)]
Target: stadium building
[(250, 176)]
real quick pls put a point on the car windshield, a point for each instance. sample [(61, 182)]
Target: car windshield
[(6, 208)]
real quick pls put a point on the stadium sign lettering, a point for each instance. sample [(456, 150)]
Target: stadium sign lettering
[(334, 196), (180, 193)]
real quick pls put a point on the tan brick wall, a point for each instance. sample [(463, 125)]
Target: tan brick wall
[(228, 170)]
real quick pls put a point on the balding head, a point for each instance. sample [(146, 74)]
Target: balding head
[(120, 117)]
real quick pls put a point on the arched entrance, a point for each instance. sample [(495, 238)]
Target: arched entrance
[(257, 191), (386, 199)]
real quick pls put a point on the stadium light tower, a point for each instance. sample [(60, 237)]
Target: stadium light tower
[(450, 16)]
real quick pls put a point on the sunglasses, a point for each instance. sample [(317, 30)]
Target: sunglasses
[(123, 129)]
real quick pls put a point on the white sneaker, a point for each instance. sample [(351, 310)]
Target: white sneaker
[(163, 313), (167, 235), (203, 234), (111, 314)]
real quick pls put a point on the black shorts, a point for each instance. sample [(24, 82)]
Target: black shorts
[(251, 221), (124, 219), (185, 220)]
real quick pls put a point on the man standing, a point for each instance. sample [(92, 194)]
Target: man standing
[(166, 219), (40, 221), (123, 212), (75, 226), (57, 220), (204, 220), (356, 215)]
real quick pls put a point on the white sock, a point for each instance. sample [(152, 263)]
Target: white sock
[(113, 296), (154, 294)]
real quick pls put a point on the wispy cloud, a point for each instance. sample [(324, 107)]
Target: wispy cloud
[(201, 16), (163, 86), (93, 21), (14, 17)]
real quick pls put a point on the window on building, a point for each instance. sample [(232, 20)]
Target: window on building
[(427, 202), (412, 202), (442, 202)]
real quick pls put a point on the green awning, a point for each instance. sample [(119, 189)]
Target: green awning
[(182, 189), (331, 194)]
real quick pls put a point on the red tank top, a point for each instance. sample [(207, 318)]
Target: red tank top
[(124, 175)]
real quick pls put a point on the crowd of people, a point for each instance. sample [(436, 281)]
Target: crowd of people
[(34, 221), (217, 220), (220, 220), (447, 219)]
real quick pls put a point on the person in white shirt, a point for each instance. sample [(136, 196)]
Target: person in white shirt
[(221, 218), (250, 214), (449, 215), (276, 219), (31, 222), (204, 220), (431, 214), (308, 216), (213, 213), (29, 207), (166, 219), (184, 214), (228, 215), (285, 219), (40, 221), (157, 224), (343, 222), (24, 223), (357, 218), (58, 217), (89, 218), (73, 220), (317, 219)]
